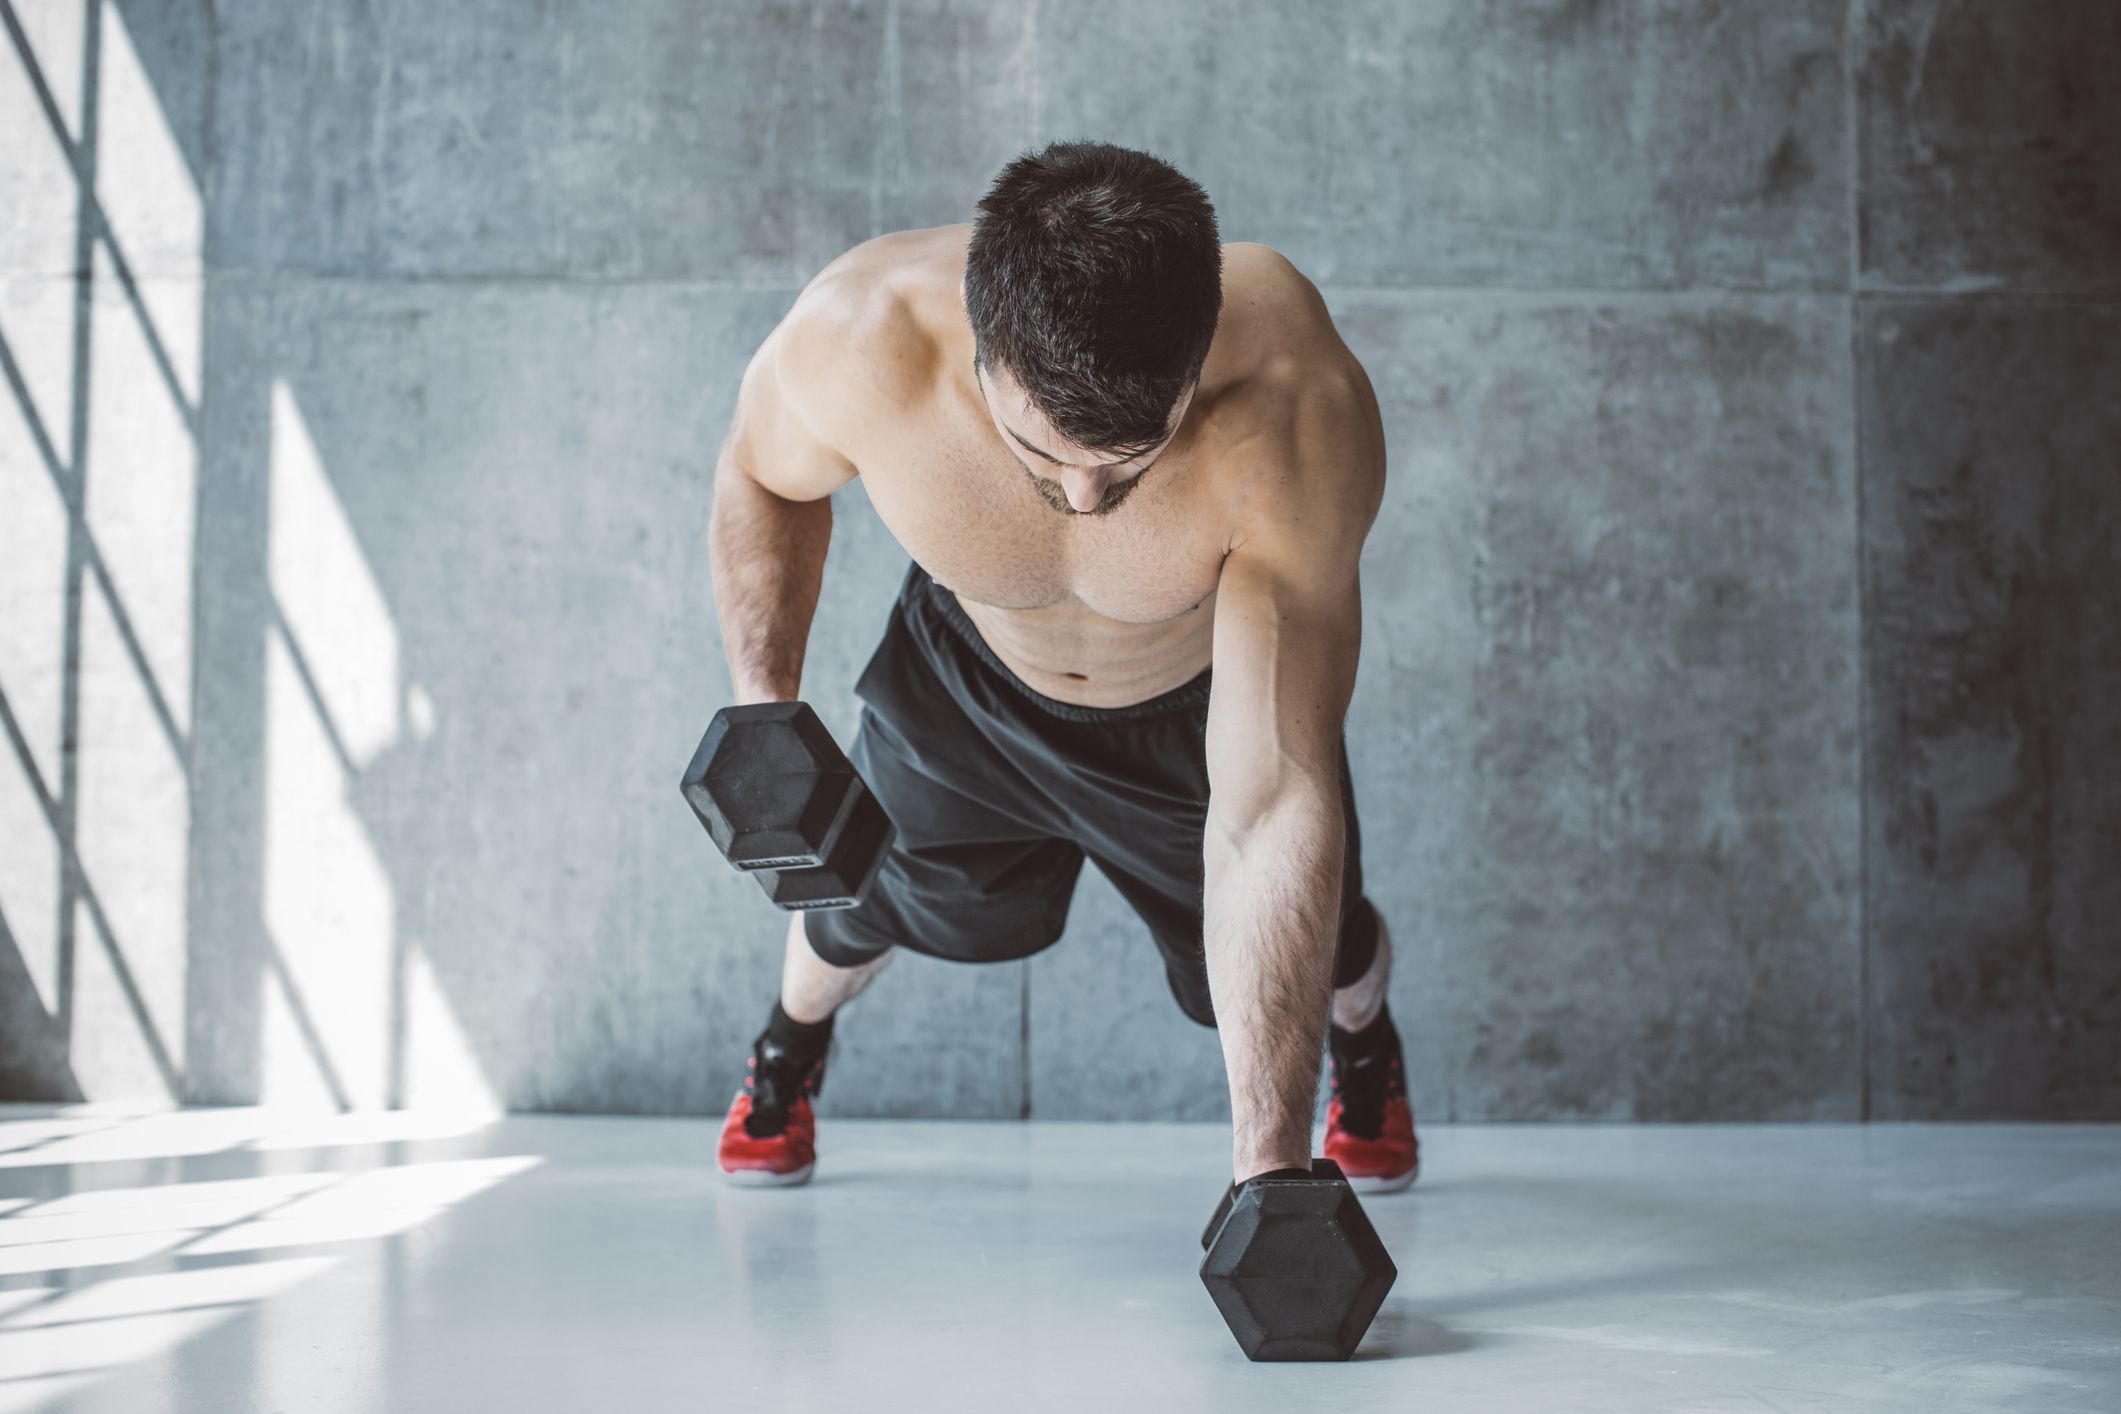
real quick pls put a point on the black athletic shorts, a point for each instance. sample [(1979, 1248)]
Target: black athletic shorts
[(999, 792)]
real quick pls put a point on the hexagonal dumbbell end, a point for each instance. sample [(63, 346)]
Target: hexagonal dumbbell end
[(1296, 1268), (771, 786), (846, 874)]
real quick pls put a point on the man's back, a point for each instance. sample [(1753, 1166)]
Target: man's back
[(875, 361)]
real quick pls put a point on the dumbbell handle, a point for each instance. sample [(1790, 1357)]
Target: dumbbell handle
[(1321, 1171), (841, 840)]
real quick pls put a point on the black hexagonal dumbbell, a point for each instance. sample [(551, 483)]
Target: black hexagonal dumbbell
[(1295, 1267), (782, 801)]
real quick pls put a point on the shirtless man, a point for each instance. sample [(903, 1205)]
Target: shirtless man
[(1117, 451)]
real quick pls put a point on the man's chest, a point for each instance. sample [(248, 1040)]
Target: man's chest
[(971, 517)]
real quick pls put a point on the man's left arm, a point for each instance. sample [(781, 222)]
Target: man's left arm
[(1288, 628)]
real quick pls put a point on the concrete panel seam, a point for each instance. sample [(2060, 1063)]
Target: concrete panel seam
[(239, 275), (1852, 117), (210, 140), (1852, 144), (1538, 297), (2063, 299)]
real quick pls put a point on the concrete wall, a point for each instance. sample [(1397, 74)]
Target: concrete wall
[(1739, 731)]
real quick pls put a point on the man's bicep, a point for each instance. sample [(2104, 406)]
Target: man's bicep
[(1287, 635), (771, 440)]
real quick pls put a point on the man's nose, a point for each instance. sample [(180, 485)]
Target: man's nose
[(1084, 492)]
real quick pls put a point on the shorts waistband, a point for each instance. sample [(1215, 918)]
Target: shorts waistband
[(920, 589)]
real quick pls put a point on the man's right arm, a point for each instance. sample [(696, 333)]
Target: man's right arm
[(772, 517)]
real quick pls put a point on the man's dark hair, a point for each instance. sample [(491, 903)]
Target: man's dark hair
[(1095, 277)]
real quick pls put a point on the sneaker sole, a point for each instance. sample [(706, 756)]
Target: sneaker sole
[(1385, 1185), (767, 1178)]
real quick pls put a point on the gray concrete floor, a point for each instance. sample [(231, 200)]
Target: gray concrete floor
[(239, 1260)]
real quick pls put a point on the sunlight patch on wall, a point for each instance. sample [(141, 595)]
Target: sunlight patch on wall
[(143, 486), (333, 707), (29, 879), (132, 663), (441, 1069), (132, 831), (55, 33), (108, 1051), (37, 219), (328, 906), (32, 658), (150, 200), (328, 900), (33, 535), (37, 322), (326, 591)]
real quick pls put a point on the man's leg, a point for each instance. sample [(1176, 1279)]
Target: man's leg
[(770, 1135), (812, 989), (962, 881), (1356, 1005), (1370, 1119)]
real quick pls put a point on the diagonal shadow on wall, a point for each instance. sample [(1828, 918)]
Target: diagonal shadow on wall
[(107, 653), (33, 1057)]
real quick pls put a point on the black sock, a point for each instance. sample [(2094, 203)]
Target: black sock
[(1378, 1036), (806, 1040)]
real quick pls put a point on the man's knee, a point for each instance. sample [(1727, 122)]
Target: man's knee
[(836, 945)]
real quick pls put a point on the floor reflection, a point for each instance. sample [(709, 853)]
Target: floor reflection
[(125, 1235)]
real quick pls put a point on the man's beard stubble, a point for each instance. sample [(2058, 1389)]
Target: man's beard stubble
[(1051, 493)]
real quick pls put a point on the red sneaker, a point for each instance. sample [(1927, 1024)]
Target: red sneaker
[(1370, 1123), (770, 1136)]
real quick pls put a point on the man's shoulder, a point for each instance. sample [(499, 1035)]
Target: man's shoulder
[(1302, 422), (862, 333), (1286, 362)]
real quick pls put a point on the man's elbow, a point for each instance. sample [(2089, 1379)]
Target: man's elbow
[(1302, 811)]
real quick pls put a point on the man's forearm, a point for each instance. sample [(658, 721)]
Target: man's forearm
[(1273, 921), (767, 556)]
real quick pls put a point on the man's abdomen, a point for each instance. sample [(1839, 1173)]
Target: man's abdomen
[(1073, 654)]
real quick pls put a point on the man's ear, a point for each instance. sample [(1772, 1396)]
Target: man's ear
[(962, 297)]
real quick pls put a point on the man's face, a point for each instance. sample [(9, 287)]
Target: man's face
[(1073, 480)]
